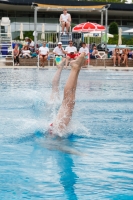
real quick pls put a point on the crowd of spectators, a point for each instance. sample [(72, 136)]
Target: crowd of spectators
[(28, 51), (119, 56)]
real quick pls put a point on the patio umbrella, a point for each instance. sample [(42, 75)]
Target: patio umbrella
[(21, 32), (129, 31), (43, 32), (88, 27), (119, 37)]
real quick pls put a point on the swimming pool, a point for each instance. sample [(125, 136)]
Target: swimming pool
[(94, 162)]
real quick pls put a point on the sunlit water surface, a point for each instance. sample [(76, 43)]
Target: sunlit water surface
[(94, 162)]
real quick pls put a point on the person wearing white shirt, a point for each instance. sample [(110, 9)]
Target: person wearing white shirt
[(31, 45), (71, 52), (65, 20), (43, 53), (26, 52), (85, 50), (25, 41), (59, 53)]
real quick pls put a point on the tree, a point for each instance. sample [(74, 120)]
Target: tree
[(113, 28)]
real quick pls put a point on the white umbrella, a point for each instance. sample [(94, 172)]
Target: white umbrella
[(129, 31), (119, 37), (9, 31), (21, 32), (57, 30), (43, 32)]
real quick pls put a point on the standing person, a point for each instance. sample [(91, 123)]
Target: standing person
[(64, 114), (25, 41), (59, 53), (86, 51), (43, 53), (65, 20), (71, 52), (31, 45), (16, 55)]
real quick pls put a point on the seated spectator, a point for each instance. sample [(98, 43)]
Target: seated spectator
[(94, 53), (85, 50), (31, 45), (71, 52), (26, 52), (65, 20), (124, 56), (43, 53), (130, 54), (16, 55), (59, 53), (116, 55)]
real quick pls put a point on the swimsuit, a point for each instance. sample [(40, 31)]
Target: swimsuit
[(50, 130)]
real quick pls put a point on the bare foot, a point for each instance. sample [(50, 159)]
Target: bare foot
[(78, 62)]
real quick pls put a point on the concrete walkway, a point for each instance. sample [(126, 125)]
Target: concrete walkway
[(51, 67)]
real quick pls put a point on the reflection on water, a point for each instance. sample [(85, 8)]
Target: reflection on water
[(68, 177), (93, 162)]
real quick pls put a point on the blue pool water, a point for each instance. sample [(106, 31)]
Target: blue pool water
[(94, 162)]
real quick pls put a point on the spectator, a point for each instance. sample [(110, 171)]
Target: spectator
[(43, 53), (26, 52), (65, 20), (94, 53), (31, 45), (85, 50), (59, 52), (26, 41), (130, 54), (16, 55), (71, 52), (116, 55), (124, 56)]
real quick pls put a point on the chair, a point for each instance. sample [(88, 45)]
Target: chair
[(101, 55), (5, 21)]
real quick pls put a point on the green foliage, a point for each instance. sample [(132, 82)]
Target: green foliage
[(113, 40), (28, 34), (125, 41), (113, 28)]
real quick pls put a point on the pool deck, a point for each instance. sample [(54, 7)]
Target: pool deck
[(51, 67)]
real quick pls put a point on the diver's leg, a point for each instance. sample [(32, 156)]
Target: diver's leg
[(65, 112), (55, 81)]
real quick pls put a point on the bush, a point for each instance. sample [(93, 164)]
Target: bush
[(28, 34), (126, 41), (113, 28)]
